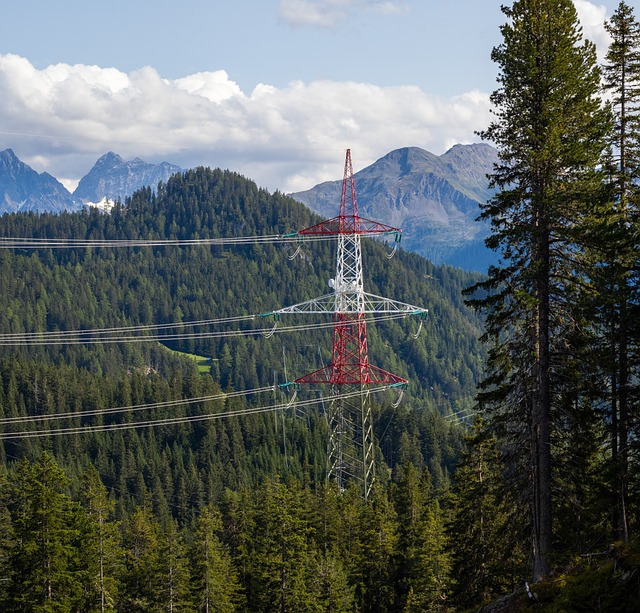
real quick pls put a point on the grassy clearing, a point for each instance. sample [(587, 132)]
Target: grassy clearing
[(203, 363)]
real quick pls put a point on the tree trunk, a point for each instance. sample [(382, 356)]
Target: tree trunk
[(541, 416), (623, 427)]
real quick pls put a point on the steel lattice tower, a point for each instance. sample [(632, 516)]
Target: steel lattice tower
[(350, 453)]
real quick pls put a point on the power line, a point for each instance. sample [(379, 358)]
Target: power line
[(459, 416), (100, 336), (172, 420), (134, 408), (138, 328), (75, 243)]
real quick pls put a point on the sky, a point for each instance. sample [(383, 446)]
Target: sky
[(276, 90)]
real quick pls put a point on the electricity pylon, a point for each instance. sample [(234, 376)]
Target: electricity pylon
[(350, 453)]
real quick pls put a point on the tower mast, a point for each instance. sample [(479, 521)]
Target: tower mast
[(350, 453)]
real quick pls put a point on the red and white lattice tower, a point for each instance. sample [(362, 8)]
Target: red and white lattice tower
[(351, 443)]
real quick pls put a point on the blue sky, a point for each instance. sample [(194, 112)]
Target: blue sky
[(274, 89)]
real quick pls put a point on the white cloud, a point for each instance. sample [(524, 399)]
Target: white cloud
[(62, 118), (319, 13), (330, 13), (214, 86), (387, 7), (592, 19)]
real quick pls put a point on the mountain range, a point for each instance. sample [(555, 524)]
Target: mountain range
[(434, 199), (112, 178)]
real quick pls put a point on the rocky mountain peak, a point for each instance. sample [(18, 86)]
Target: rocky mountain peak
[(434, 199), (113, 178), (23, 189)]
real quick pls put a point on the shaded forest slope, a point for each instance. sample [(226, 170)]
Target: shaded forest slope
[(88, 288)]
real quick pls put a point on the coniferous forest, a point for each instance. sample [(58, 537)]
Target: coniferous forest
[(253, 524), (167, 471)]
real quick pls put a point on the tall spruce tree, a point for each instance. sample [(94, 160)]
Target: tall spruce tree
[(45, 522), (375, 566), (618, 292), (101, 552), (550, 129), (282, 556), (173, 570), (7, 541), (484, 530), (216, 587), (142, 579), (424, 561)]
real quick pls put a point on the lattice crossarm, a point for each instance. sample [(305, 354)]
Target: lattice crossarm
[(322, 304), (379, 304)]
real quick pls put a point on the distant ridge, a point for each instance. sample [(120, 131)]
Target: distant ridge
[(22, 189), (434, 199), (113, 178)]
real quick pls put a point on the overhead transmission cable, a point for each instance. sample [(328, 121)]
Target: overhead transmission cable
[(75, 243), (135, 408), (138, 328), (101, 336), (461, 415), (172, 420)]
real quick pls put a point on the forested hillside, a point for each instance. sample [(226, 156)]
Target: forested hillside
[(267, 469), (170, 470)]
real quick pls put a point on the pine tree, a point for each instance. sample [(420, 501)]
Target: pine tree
[(239, 523), (330, 585), (485, 527), (7, 540), (142, 578), (101, 550), (283, 554), (424, 566), (375, 566), (549, 128), (45, 521), (618, 289), (341, 513), (173, 570), (584, 509), (216, 586)]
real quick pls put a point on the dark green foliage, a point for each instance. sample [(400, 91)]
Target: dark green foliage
[(550, 128), (46, 524), (174, 570), (142, 579), (614, 266), (282, 561), (101, 554), (7, 539), (176, 469), (424, 570), (275, 547), (216, 587), (230, 514), (487, 527)]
